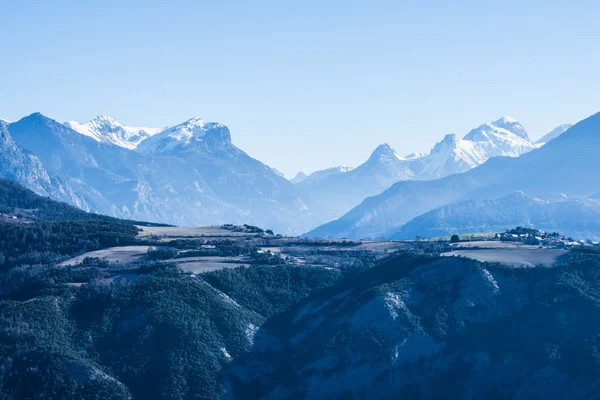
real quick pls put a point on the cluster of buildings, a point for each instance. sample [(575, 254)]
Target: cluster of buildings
[(539, 237)]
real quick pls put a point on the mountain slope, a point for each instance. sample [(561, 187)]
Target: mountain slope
[(186, 175), (325, 173), (26, 168), (106, 130), (434, 328), (554, 133), (564, 165), (333, 191), (299, 177), (449, 156), (576, 217)]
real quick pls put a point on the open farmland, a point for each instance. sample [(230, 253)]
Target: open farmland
[(528, 256)]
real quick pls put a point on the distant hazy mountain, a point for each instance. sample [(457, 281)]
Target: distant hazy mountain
[(299, 177), (190, 174), (106, 130), (566, 164), (277, 172), (576, 217), (339, 192), (503, 137), (334, 191), (553, 134), (325, 173), (450, 156)]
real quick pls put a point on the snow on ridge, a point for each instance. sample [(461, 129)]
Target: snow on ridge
[(179, 136), (105, 129)]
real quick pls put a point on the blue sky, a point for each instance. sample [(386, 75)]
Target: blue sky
[(310, 84)]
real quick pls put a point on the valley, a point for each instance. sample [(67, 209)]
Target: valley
[(209, 248), (96, 306)]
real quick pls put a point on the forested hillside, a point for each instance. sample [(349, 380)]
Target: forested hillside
[(431, 328), (38, 230)]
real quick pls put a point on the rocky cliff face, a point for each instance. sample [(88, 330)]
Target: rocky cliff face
[(434, 328)]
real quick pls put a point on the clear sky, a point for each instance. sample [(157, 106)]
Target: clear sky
[(309, 84)]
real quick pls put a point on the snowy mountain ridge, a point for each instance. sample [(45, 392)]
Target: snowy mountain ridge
[(105, 129), (193, 131)]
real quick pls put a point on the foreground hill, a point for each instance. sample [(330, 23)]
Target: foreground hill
[(143, 330), (283, 316), (434, 328), (564, 165)]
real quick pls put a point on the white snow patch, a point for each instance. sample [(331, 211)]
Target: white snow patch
[(490, 278), (226, 353), (106, 130), (251, 330)]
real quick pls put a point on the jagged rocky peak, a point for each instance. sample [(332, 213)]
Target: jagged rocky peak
[(300, 176), (383, 151), (450, 140), (36, 118)]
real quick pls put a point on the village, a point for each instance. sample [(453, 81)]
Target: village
[(536, 237)]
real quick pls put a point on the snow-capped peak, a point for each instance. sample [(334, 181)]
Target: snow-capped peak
[(193, 127), (105, 129), (511, 125), (194, 130), (300, 176), (503, 137), (450, 140), (384, 151), (4, 120)]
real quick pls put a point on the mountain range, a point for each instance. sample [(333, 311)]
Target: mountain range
[(193, 174), (564, 165), (341, 189), (190, 174)]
